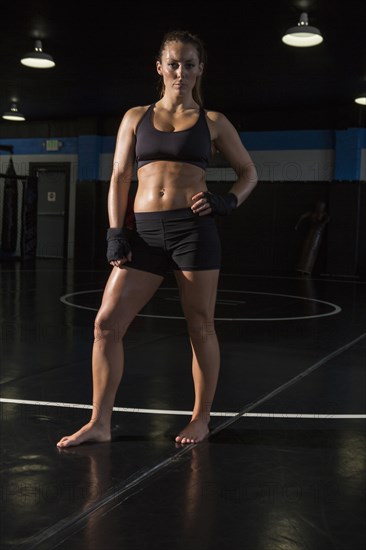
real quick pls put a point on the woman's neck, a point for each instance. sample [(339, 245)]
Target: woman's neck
[(176, 105)]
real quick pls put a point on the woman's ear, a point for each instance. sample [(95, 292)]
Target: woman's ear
[(201, 66), (158, 68)]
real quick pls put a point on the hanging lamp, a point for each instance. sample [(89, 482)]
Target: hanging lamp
[(38, 59), (14, 114), (303, 35), (361, 99)]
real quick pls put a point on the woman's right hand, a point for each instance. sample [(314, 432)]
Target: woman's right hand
[(118, 246)]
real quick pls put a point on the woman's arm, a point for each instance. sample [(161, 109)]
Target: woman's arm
[(122, 172), (118, 248), (228, 142)]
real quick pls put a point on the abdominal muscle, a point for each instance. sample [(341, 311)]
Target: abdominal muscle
[(167, 185)]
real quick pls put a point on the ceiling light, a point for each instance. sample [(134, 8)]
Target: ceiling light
[(38, 59), (14, 114), (302, 36), (361, 99)]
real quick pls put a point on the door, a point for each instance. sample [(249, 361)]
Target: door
[(52, 215)]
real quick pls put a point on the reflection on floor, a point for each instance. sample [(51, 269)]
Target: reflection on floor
[(284, 467)]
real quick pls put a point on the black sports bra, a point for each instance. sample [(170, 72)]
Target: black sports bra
[(192, 145)]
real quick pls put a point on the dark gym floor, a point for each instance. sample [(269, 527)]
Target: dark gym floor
[(284, 467)]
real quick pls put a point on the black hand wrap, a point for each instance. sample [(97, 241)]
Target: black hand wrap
[(221, 205), (118, 246)]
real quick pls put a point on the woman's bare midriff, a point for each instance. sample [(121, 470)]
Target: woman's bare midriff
[(166, 185)]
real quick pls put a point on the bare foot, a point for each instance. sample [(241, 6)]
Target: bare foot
[(91, 432), (196, 431)]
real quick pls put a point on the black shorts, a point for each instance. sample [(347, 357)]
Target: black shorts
[(174, 240)]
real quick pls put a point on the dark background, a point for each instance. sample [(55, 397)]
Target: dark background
[(105, 60)]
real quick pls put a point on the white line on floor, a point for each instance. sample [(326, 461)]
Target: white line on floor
[(177, 412)]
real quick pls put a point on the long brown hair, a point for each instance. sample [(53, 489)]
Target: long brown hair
[(185, 37)]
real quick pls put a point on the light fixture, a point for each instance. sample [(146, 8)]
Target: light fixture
[(38, 59), (14, 114), (302, 36), (361, 99)]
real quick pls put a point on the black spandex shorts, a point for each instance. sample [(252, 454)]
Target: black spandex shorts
[(174, 240)]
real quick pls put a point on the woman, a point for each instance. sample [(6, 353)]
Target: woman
[(172, 141)]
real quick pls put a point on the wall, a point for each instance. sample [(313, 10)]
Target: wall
[(295, 169)]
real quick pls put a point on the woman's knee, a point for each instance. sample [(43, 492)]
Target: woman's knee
[(108, 326), (200, 327)]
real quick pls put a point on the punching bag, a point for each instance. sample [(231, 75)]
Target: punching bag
[(10, 210), (318, 220)]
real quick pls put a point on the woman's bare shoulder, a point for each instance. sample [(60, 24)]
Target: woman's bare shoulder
[(133, 115), (215, 116), (218, 123), (137, 111)]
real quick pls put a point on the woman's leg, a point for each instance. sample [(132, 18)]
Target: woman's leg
[(126, 293), (198, 290)]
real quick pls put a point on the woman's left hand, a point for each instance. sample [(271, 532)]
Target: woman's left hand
[(201, 205), (207, 203)]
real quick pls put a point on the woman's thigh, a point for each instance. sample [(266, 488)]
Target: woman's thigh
[(198, 292), (127, 291)]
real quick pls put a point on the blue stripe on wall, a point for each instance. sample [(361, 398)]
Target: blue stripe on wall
[(348, 154), (299, 139), (258, 141), (89, 148), (36, 146), (108, 144), (346, 143)]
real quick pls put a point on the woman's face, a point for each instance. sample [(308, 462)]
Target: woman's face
[(179, 67)]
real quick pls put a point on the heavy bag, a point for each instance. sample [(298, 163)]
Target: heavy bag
[(10, 210)]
